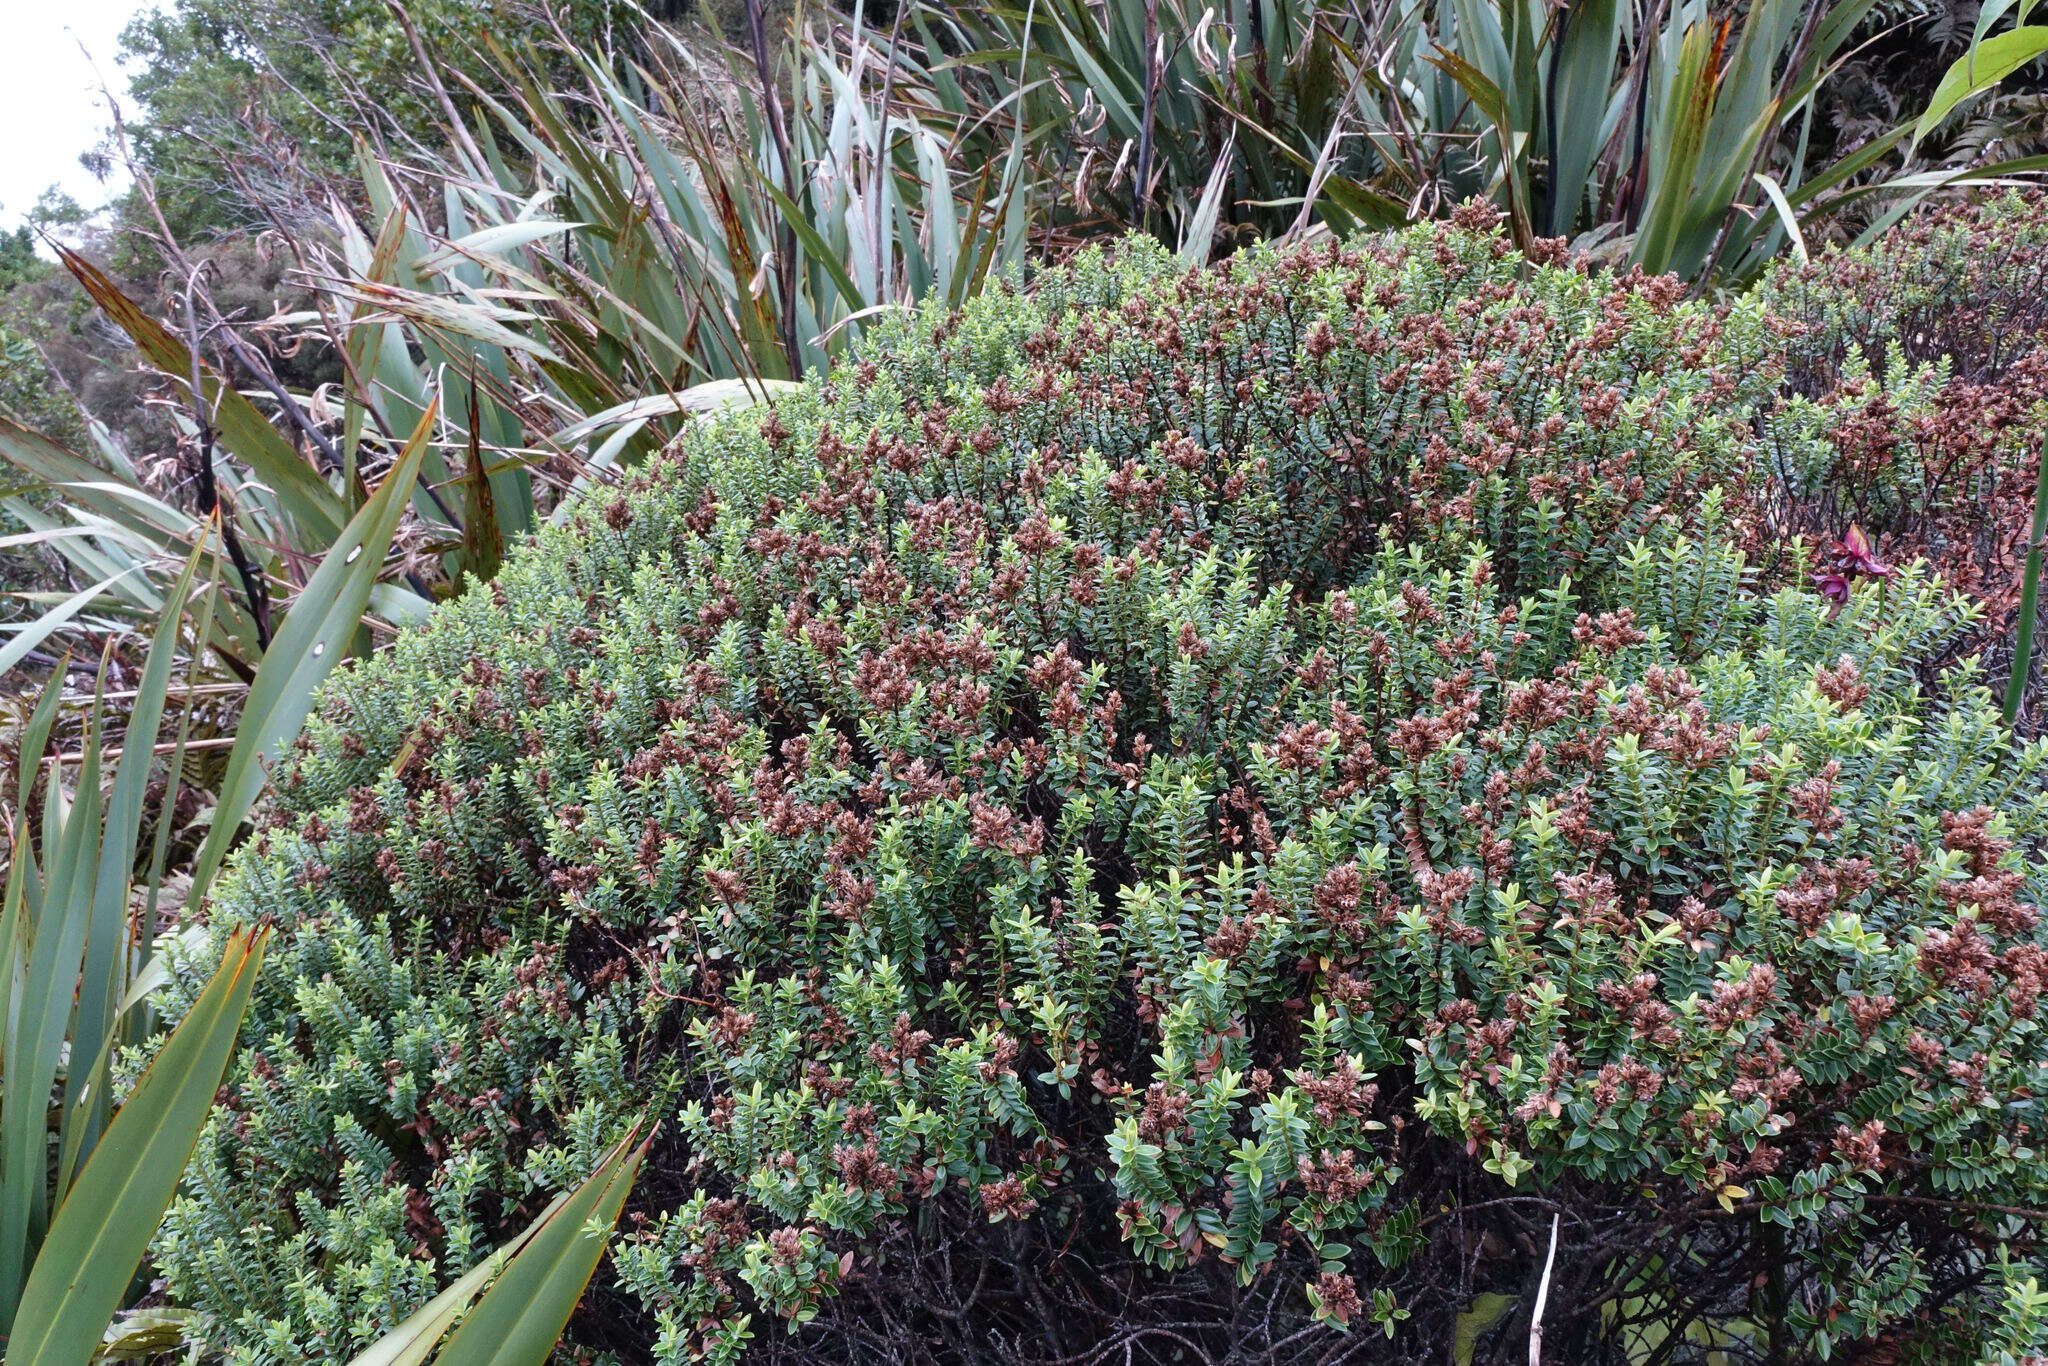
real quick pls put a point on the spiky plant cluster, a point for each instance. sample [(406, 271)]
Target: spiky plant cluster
[(1182, 815)]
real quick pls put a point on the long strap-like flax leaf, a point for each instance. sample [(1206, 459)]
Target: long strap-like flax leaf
[(105, 1224), (2030, 585)]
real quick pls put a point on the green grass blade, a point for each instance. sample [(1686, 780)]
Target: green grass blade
[(49, 623), (1581, 92), (1690, 108), (2030, 593), (413, 1341), (820, 251), (37, 734), (106, 933), (1494, 104), (1787, 219), (49, 466), (15, 918), (53, 920), (1200, 233), (1983, 66)]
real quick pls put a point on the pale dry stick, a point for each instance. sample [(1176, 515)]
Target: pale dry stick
[(201, 690), (166, 747), (323, 298), (253, 586), (1324, 158), (1542, 1296), (257, 368), (882, 157), (457, 127)]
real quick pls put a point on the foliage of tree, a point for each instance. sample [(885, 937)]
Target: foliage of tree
[(249, 108)]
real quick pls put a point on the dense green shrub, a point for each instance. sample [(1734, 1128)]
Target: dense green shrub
[(1916, 375), (1428, 387), (1179, 812), (1963, 283), (1926, 464), (296, 1235)]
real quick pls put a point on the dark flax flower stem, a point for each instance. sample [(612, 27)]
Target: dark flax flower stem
[(1141, 200), (785, 264)]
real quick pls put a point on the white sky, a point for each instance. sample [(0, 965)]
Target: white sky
[(50, 103)]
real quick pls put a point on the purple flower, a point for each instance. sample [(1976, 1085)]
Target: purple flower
[(1853, 556), (1853, 552)]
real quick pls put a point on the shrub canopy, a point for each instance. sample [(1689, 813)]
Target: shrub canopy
[(1915, 374), (1187, 807)]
